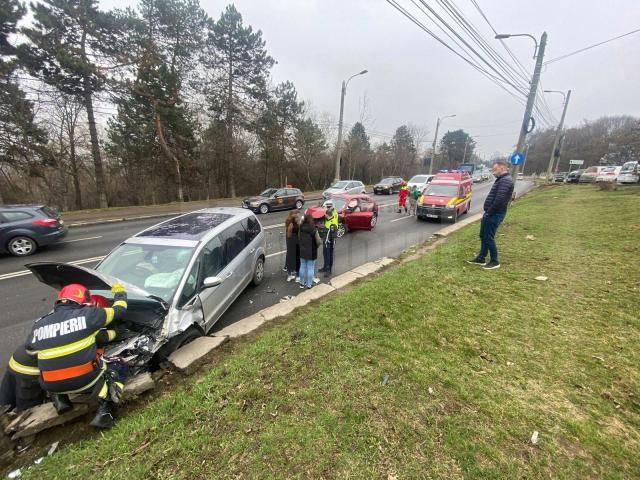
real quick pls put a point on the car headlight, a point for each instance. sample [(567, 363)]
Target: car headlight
[(254, 204), (448, 206)]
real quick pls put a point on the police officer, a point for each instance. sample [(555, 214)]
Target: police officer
[(64, 342), (329, 237)]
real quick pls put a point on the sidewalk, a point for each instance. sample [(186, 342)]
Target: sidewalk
[(80, 218)]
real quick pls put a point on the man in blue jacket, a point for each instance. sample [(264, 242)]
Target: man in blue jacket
[(495, 209)]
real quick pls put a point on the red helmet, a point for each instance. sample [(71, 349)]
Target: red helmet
[(99, 301), (75, 293)]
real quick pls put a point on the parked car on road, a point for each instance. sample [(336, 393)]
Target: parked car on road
[(574, 176), (560, 177), (180, 276), (608, 174), (589, 175), (629, 173), (419, 181), (344, 186), (26, 228), (355, 212), (387, 186), (273, 199)]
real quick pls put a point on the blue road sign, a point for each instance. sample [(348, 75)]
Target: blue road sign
[(517, 158)]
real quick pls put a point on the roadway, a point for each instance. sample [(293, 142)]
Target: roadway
[(24, 298)]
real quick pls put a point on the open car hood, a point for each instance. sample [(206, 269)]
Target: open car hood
[(57, 275)]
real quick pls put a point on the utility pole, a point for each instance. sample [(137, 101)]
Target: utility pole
[(435, 139), (339, 146), (556, 142)]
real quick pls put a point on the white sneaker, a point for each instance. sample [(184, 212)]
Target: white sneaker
[(290, 277), (297, 279), (316, 280)]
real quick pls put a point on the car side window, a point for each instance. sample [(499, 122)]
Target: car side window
[(191, 284), (252, 229), (233, 241), (16, 216), (212, 258), (281, 193)]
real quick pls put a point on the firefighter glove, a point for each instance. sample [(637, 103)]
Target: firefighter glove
[(117, 288)]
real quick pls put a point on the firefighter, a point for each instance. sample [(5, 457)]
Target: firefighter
[(329, 240), (402, 197), (66, 347), (20, 385)]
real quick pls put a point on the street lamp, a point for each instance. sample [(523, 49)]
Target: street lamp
[(435, 139), (557, 145), (339, 148), (502, 36)]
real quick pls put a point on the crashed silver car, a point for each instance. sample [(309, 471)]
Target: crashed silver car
[(180, 275)]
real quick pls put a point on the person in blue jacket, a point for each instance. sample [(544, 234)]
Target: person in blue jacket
[(495, 209)]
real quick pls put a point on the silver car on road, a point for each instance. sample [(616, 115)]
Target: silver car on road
[(344, 186), (180, 275)]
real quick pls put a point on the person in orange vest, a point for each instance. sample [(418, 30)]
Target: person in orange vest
[(402, 198), (66, 344)]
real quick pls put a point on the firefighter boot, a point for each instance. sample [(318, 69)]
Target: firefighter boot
[(61, 403), (104, 416)]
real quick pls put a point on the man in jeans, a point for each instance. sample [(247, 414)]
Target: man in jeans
[(495, 209)]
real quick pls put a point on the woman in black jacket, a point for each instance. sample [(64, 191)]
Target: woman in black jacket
[(292, 262), (309, 240)]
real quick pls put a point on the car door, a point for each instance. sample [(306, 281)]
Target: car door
[(292, 195), (355, 216), (280, 199), (12, 220)]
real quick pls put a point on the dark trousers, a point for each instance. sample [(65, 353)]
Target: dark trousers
[(21, 392), (488, 227), (327, 253)]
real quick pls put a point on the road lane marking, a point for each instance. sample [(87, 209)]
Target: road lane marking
[(275, 254), (402, 218), (21, 273), (81, 239)]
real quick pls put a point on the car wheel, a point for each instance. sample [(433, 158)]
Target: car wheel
[(341, 230), (373, 221), (264, 208), (258, 272), (22, 246), (468, 208), (180, 340), (299, 204)]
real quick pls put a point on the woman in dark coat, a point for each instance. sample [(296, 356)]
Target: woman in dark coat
[(292, 262), (309, 240)]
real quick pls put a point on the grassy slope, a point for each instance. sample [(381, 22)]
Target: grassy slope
[(504, 355)]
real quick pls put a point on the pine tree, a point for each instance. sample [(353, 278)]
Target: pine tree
[(71, 42), (404, 151), (239, 64)]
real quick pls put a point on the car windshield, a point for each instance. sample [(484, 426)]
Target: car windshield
[(628, 167), (386, 181), (268, 192), (419, 179), (340, 185), (154, 268), (338, 203), (441, 190)]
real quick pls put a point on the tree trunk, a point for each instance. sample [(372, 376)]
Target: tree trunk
[(95, 148), (228, 140), (169, 154), (74, 170)]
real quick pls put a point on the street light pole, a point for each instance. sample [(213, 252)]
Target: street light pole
[(435, 139), (531, 98), (339, 146), (556, 142)]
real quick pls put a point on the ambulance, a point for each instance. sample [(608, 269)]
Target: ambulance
[(446, 198)]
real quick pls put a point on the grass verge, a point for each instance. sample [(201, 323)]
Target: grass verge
[(434, 369)]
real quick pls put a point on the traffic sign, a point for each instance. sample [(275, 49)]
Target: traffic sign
[(576, 162), (517, 158)]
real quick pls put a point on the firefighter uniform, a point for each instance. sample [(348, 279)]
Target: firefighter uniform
[(66, 345), (20, 386)]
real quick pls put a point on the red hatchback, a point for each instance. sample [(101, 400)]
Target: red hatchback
[(355, 212)]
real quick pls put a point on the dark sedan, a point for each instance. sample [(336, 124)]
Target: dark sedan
[(273, 199), (387, 186), (560, 177), (574, 177), (25, 228)]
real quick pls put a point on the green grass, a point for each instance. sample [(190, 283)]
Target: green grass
[(504, 355)]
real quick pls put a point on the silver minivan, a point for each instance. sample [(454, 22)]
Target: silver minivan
[(344, 186), (180, 275)]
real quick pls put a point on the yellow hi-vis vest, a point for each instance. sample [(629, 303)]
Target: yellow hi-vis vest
[(333, 220)]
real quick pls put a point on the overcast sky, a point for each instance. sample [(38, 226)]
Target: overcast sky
[(414, 79)]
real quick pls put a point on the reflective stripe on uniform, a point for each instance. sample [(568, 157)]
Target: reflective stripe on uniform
[(67, 349), (67, 373), (120, 303), (111, 334), (23, 369), (89, 385), (110, 313), (103, 391)]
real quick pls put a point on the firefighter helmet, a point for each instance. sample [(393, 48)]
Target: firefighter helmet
[(99, 301), (75, 293)]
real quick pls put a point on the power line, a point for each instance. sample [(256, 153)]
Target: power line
[(590, 47)]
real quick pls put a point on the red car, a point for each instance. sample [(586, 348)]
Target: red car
[(355, 212)]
